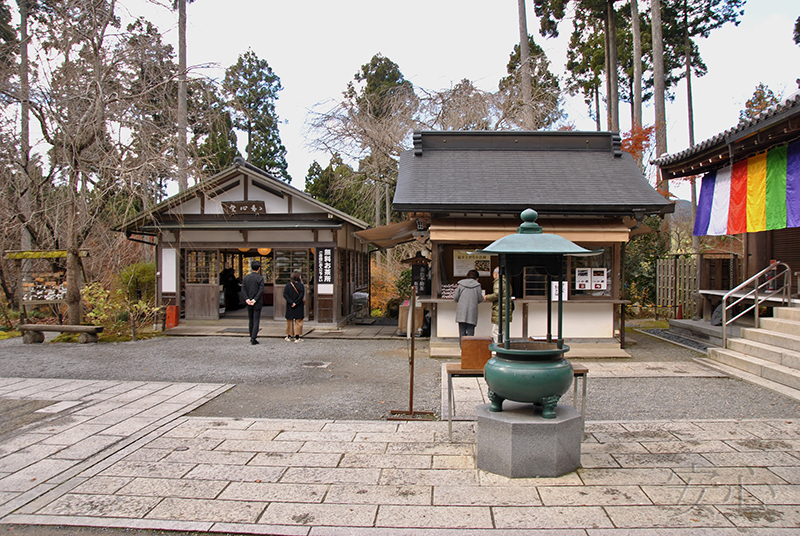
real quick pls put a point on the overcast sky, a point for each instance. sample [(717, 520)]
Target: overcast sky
[(316, 46)]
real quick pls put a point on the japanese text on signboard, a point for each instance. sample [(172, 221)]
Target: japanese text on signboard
[(324, 265)]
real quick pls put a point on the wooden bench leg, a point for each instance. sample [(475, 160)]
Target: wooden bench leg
[(84, 338), (32, 337)]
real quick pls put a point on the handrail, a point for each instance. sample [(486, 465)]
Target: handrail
[(770, 287)]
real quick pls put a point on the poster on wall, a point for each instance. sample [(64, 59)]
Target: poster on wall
[(583, 278), (464, 261), (599, 279)]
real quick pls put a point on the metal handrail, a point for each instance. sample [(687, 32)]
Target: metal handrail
[(769, 287)]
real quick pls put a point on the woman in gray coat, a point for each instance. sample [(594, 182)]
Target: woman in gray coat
[(468, 295)]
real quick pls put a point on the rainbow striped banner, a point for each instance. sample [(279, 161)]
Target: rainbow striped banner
[(761, 193)]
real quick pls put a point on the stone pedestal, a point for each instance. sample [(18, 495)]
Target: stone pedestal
[(518, 442)]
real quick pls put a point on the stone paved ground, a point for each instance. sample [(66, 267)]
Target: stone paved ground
[(124, 454)]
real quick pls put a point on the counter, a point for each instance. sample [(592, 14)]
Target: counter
[(589, 319)]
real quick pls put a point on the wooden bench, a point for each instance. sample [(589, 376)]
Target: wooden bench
[(34, 333)]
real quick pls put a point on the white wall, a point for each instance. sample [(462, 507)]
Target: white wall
[(582, 320)]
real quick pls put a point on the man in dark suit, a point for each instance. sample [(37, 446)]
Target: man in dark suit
[(252, 292)]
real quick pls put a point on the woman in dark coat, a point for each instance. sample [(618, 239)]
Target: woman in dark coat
[(295, 295)]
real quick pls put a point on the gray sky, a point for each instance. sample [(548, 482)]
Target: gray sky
[(316, 46)]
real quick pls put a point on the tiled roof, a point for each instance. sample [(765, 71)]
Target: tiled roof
[(570, 173), (776, 113)]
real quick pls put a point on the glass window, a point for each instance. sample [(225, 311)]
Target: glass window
[(288, 260), (201, 267)]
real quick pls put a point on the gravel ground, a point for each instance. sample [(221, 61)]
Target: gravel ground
[(366, 379)]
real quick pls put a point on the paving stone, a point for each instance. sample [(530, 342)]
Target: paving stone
[(776, 494), (615, 448), (20, 442), (361, 426), (148, 469), (399, 437), (62, 424), (87, 447), (147, 455), (272, 492), (347, 515), (485, 496), (173, 443), (454, 462), (550, 517), (301, 435), (790, 445), (236, 473), (441, 449), (283, 425), (75, 434), (102, 485), (248, 435), (405, 461), (207, 510), (594, 461), (100, 505), (173, 487), (666, 516), (243, 445), (592, 495), (324, 475), (495, 480), (762, 516), (729, 475), (266, 530), (35, 474), (128, 426), (27, 456), (622, 477), (627, 436), (343, 447), (379, 495), (209, 457), (691, 445), (163, 410), (790, 475), (448, 517), (429, 477), (296, 459), (693, 495), (674, 460), (751, 459)]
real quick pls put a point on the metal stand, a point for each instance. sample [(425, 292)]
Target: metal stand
[(411, 415)]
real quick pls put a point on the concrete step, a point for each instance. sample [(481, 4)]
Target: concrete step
[(762, 368), (751, 378), (782, 325), (765, 351), (788, 313), (774, 338)]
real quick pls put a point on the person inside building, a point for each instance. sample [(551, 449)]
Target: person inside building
[(295, 295), (468, 294)]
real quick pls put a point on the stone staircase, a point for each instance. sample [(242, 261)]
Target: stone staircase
[(770, 352)]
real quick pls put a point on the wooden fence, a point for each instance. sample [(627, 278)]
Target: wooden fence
[(676, 285)]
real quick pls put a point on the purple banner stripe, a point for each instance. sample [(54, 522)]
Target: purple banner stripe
[(704, 204), (793, 184)]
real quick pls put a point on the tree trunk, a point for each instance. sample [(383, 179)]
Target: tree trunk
[(659, 93), (525, 65), (687, 47), (183, 182), (613, 88), (597, 108), (26, 240), (637, 65), (73, 263)]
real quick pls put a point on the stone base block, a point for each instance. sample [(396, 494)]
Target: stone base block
[(519, 443)]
